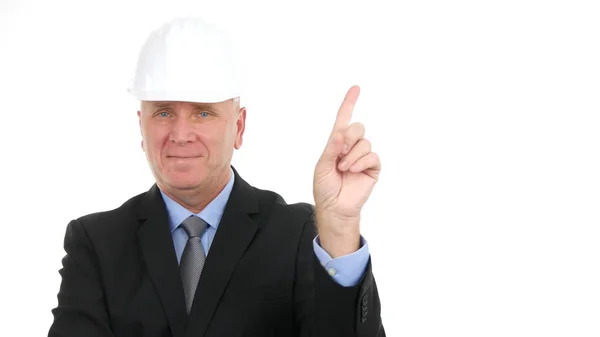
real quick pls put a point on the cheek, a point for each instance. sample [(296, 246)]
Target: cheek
[(154, 141), (217, 136)]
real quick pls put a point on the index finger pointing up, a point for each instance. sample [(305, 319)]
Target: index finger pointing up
[(344, 114)]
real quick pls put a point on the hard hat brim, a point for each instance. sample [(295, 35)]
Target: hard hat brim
[(183, 96)]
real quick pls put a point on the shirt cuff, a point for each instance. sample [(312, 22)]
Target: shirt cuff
[(346, 270)]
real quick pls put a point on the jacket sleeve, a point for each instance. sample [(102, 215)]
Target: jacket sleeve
[(322, 307), (81, 309)]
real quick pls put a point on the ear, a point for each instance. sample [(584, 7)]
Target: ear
[(139, 114), (241, 126)]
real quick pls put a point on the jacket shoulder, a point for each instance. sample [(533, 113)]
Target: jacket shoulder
[(276, 203), (113, 220)]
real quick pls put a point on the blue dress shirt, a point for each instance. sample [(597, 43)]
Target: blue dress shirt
[(345, 270)]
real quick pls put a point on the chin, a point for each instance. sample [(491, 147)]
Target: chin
[(186, 181)]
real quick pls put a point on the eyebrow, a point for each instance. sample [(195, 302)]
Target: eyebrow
[(160, 104)]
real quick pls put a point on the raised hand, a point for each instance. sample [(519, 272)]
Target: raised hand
[(344, 178)]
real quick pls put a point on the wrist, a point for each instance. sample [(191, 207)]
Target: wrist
[(338, 236)]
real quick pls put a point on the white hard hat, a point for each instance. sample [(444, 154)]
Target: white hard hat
[(187, 59)]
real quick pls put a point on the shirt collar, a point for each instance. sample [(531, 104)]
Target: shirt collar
[(212, 213)]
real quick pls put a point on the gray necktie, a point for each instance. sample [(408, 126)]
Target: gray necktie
[(192, 259)]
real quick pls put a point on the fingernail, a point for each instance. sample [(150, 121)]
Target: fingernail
[(343, 165), (345, 148)]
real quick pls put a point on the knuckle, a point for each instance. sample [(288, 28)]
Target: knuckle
[(366, 144), (360, 128), (357, 129)]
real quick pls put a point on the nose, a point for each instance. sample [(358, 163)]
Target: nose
[(182, 132)]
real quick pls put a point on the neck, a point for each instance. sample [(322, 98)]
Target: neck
[(195, 200)]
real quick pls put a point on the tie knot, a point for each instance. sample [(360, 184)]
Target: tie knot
[(194, 226)]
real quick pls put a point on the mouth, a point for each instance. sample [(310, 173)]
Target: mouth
[(183, 157)]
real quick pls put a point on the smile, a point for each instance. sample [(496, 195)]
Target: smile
[(183, 157)]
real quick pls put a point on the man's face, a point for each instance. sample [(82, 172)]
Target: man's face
[(190, 145)]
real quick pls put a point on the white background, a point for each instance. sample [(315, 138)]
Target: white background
[(485, 221)]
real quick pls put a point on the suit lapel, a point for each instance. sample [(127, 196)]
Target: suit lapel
[(159, 255), (235, 233)]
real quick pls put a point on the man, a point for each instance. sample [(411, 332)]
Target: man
[(202, 252)]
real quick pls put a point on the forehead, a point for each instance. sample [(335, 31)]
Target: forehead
[(173, 104)]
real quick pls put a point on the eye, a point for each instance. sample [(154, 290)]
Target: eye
[(204, 114), (163, 114)]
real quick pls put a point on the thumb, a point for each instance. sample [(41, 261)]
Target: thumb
[(334, 148)]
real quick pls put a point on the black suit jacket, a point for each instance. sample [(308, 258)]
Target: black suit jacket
[(120, 276)]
